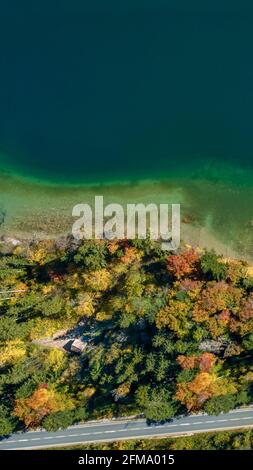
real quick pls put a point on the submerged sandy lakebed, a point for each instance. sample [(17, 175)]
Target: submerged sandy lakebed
[(213, 214)]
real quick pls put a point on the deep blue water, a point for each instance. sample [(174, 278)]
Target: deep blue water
[(96, 90)]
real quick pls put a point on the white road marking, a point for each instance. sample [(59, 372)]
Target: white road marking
[(144, 428), (245, 410)]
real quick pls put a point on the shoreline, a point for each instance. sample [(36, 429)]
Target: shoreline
[(213, 214)]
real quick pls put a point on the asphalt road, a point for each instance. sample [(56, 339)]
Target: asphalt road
[(128, 429)]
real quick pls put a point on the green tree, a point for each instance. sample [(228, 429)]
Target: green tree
[(80, 414), (212, 266), (156, 403), (58, 420), (7, 423), (217, 405), (91, 255)]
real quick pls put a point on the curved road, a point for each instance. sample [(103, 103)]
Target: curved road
[(128, 429)]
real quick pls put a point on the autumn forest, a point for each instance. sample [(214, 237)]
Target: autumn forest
[(163, 333)]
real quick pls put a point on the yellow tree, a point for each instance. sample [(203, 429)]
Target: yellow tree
[(42, 402)]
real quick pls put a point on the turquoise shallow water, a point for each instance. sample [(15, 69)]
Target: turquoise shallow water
[(104, 91)]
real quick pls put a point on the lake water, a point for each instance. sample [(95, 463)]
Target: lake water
[(123, 90)]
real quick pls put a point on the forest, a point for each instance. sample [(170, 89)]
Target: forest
[(165, 333)]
